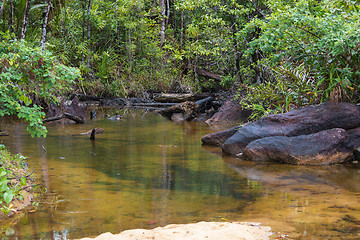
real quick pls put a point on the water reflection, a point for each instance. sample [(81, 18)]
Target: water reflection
[(145, 171), (142, 172), (308, 202)]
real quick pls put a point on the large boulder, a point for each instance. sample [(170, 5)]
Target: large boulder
[(303, 121), (73, 108), (229, 112), (218, 138), (322, 148)]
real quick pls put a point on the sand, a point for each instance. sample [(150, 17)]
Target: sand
[(194, 231)]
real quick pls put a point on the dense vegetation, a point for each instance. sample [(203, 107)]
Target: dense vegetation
[(284, 53), (15, 181)]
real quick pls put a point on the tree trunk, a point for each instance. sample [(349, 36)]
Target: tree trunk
[(236, 52), (88, 29), (2, 3), (11, 17), (25, 21), (45, 23), (163, 21), (88, 21), (167, 12), (182, 28)]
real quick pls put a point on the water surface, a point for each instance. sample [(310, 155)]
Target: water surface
[(145, 171)]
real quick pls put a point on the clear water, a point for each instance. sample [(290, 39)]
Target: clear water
[(145, 172)]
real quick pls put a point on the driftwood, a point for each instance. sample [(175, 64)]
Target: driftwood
[(189, 109), (4, 133), (92, 135), (153, 104), (76, 119), (179, 97), (202, 103), (97, 131)]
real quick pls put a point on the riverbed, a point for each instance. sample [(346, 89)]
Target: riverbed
[(147, 172)]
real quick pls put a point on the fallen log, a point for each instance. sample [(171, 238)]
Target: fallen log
[(76, 119), (208, 74), (97, 131), (179, 97), (156, 104), (189, 109), (202, 103), (4, 133)]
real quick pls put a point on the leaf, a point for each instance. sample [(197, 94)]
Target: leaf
[(8, 196), (23, 181), (38, 6)]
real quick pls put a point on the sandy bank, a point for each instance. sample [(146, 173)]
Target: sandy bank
[(195, 231)]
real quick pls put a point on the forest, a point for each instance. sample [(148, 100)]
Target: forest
[(275, 54)]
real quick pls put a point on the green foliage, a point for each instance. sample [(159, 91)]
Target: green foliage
[(323, 36), (28, 73), (12, 178), (292, 88)]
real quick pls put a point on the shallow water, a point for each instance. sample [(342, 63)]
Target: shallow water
[(145, 171)]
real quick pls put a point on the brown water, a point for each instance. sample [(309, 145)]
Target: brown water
[(145, 171)]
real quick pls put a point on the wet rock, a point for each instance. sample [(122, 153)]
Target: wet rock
[(303, 121), (115, 118), (218, 138), (72, 108), (229, 112), (322, 148)]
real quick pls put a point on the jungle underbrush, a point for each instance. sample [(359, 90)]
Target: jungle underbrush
[(16, 183)]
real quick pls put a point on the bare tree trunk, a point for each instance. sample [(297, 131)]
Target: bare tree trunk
[(11, 17), (88, 20), (88, 32), (25, 21), (163, 21), (167, 12), (182, 28), (45, 23), (83, 26), (2, 3)]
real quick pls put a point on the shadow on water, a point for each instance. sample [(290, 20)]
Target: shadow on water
[(145, 171)]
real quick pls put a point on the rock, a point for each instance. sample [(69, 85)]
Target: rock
[(72, 108), (322, 148), (116, 118), (306, 120), (229, 112), (218, 138), (195, 231)]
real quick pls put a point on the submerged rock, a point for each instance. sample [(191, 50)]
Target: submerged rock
[(303, 121), (322, 148), (218, 138)]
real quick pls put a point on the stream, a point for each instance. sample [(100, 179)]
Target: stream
[(146, 171)]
